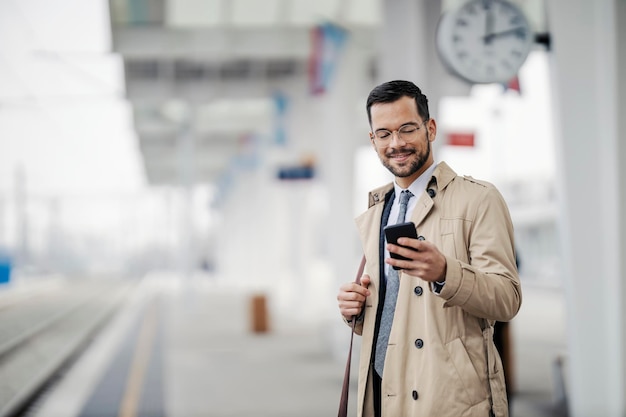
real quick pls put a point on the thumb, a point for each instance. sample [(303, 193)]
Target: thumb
[(365, 281)]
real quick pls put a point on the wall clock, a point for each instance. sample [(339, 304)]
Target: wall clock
[(484, 41)]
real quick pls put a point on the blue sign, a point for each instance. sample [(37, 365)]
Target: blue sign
[(5, 268)]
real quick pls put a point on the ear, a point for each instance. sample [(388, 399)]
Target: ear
[(372, 140), (432, 129)]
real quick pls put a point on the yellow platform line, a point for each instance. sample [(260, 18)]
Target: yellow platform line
[(139, 364)]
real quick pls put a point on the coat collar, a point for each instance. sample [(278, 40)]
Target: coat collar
[(442, 176)]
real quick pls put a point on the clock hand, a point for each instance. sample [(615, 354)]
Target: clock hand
[(488, 22), (515, 31)]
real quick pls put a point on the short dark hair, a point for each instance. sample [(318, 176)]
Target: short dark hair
[(394, 90)]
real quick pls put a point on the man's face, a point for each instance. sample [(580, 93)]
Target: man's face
[(405, 155)]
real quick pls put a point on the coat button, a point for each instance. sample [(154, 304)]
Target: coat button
[(432, 193), (419, 343), (418, 290), (414, 395)]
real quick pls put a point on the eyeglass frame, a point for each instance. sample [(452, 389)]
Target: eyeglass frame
[(398, 132)]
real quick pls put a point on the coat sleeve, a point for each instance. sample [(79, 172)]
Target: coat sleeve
[(358, 326), (488, 286)]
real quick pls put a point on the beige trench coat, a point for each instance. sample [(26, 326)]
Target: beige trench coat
[(441, 360)]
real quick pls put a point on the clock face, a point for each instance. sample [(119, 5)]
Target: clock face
[(485, 41)]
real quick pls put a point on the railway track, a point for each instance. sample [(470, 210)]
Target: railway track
[(43, 331)]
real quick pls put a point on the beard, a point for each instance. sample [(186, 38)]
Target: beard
[(411, 167)]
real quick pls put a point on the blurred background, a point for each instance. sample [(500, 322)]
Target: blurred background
[(179, 178)]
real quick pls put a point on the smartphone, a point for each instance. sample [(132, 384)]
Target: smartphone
[(395, 231)]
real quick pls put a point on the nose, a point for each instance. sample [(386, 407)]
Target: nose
[(398, 140)]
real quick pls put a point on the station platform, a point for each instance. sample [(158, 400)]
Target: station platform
[(187, 350)]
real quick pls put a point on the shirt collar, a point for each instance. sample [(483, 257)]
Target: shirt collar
[(418, 186)]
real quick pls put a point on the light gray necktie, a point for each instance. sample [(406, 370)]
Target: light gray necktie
[(391, 295)]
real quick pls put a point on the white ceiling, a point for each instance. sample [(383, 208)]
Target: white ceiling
[(229, 48)]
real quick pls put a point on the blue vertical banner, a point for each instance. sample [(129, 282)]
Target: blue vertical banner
[(327, 41), (281, 105), (247, 158)]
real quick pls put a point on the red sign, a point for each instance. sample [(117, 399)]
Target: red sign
[(460, 139)]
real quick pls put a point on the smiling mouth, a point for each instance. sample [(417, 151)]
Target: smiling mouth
[(400, 156)]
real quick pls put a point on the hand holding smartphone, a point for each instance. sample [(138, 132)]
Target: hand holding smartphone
[(396, 231)]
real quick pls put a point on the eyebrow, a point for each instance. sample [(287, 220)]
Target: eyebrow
[(401, 126)]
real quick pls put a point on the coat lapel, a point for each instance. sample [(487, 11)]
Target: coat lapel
[(442, 176), (368, 225), (422, 208)]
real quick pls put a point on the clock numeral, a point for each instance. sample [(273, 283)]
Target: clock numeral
[(461, 22), (462, 55), (506, 64), (457, 39)]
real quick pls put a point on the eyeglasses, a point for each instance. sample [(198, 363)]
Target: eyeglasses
[(406, 133)]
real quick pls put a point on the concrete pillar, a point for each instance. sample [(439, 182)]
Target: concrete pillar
[(589, 98), (186, 173), (340, 112), (619, 372)]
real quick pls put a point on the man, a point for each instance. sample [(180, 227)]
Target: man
[(427, 347)]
